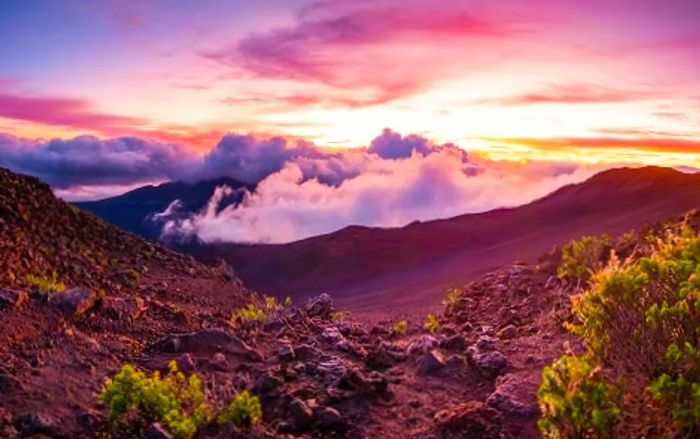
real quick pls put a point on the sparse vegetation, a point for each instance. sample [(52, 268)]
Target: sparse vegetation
[(245, 410), (432, 323), (453, 296), (640, 321), (176, 400), (250, 314), (582, 256), (45, 283), (400, 327)]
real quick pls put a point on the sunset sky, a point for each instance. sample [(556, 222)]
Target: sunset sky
[(526, 77), (591, 82)]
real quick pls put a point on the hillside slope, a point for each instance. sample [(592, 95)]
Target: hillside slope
[(131, 211), (375, 269)]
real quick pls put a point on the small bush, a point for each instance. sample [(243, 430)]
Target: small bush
[(432, 323), (400, 327), (45, 283), (453, 296), (245, 410), (250, 315), (287, 301), (581, 256), (175, 400), (575, 399)]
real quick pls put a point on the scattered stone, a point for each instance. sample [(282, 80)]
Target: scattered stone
[(185, 363), (266, 382), (422, 344), (486, 343), (300, 415), (218, 360), (12, 298), (489, 363), (332, 369), (286, 352), (36, 424), (320, 306), (332, 335), (306, 351), (379, 381), (158, 431), (508, 332), (207, 340), (328, 418), (123, 308), (455, 360), (432, 362), (456, 342), (510, 392), (73, 302), (470, 419), (380, 358)]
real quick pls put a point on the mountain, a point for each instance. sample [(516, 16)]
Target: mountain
[(132, 211), (372, 269)]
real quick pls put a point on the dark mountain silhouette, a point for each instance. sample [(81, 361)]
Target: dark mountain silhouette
[(132, 211), (371, 269)]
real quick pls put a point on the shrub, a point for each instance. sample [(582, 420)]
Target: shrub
[(245, 410), (453, 296), (432, 323), (250, 315), (400, 327), (640, 321), (45, 283), (176, 400), (287, 301), (581, 256), (575, 399)]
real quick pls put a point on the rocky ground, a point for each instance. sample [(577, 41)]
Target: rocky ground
[(319, 372)]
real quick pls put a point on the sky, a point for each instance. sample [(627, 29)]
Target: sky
[(97, 97)]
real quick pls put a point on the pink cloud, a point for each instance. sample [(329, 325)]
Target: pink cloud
[(574, 94)]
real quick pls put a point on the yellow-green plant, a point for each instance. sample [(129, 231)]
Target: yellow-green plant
[(45, 283), (176, 400), (271, 303), (581, 256), (250, 314), (287, 301), (244, 410), (453, 296), (400, 327), (575, 399), (640, 319), (432, 323)]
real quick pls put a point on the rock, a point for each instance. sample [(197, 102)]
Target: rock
[(510, 396), (320, 306), (185, 363), (470, 419), (508, 332), (328, 418), (456, 342), (158, 431), (300, 415), (356, 380), (286, 352), (73, 302), (332, 370), (422, 344), (432, 362), (123, 308), (455, 360), (486, 343), (306, 351), (8, 384), (266, 382), (12, 298), (36, 424), (332, 335), (380, 358), (489, 363), (218, 360), (379, 381), (88, 420), (207, 340)]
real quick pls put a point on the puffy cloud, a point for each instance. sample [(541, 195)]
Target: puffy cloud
[(90, 161), (287, 205)]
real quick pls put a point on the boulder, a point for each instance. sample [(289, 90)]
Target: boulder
[(508, 332), (469, 419), (207, 340), (300, 415), (329, 418), (73, 302), (456, 342), (422, 344), (320, 306), (123, 308), (12, 298), (431, 362), (286, 352), (40, 424), (487, 359), (514, 395)]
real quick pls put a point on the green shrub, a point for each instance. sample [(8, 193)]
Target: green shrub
[(432, 323), (250, 315), (575, 400), (400, 327), (640, 321), (45, 283), (245, 410), (453, 296), (581, 256), (175, 400)]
